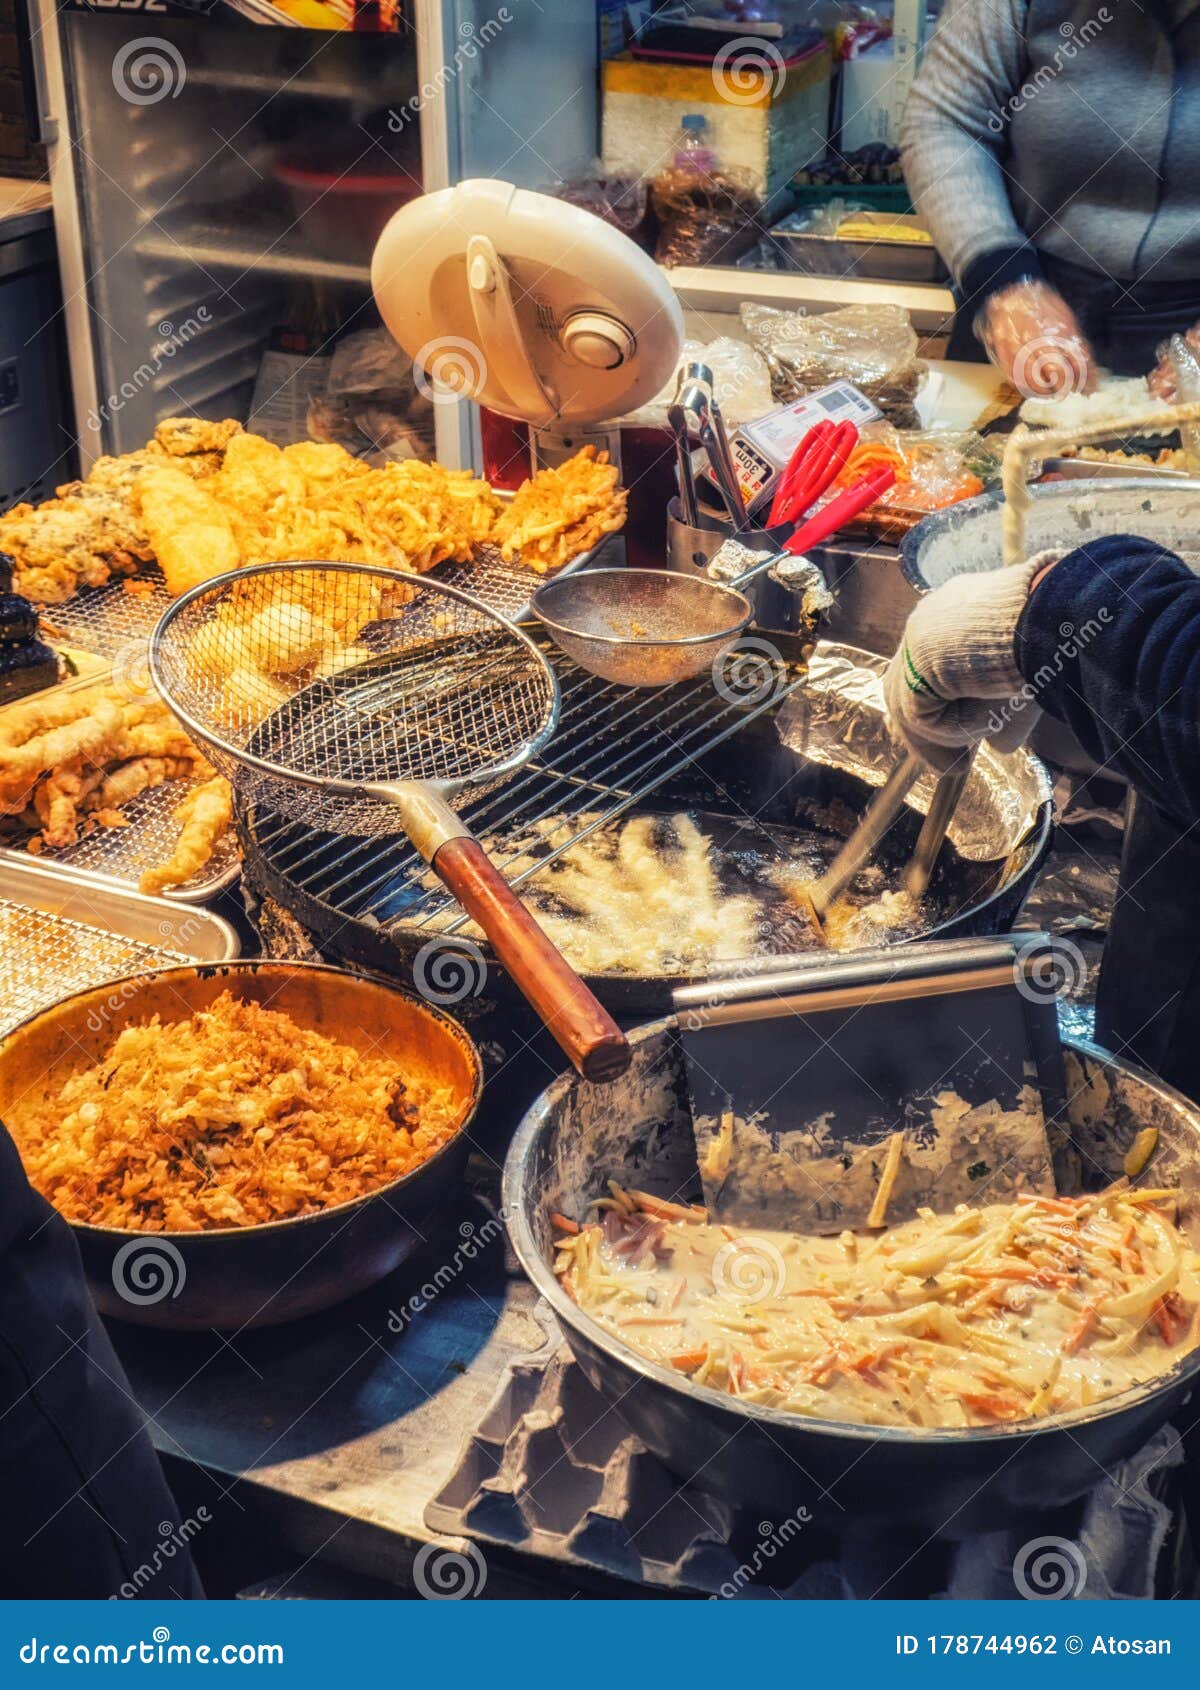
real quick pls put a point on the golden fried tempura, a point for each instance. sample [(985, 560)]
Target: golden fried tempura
[(257, 475), (205, 815), (183, 436), (190, 532), (562, 512)]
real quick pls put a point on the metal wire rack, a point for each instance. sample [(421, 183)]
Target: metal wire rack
[(122, 854), (612, 748), (112, 619)]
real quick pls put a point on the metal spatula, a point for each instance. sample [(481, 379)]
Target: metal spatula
[(854, 1090)]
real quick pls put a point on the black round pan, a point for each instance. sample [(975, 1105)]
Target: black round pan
[(255, 1275), (947, 1483)]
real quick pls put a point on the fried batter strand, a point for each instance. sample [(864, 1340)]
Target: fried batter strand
[(205, 814), (563, 511)]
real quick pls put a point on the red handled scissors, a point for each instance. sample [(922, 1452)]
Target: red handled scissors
[(811, 470)]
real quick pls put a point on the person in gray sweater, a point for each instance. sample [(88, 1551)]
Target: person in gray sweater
[(1052, 148)]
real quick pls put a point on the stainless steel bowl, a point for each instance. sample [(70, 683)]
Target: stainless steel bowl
[(935, 1481)]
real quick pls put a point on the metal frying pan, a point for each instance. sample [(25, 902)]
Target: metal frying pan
[(367, 701), (239, 1276)]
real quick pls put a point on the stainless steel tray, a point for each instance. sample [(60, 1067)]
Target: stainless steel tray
[(1088, 469), (60, 934), (118, 856)]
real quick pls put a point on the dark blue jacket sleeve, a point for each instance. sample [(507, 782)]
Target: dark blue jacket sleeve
[(1110, 644)]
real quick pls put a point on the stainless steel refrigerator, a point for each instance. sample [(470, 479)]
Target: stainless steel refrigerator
[(220, 170)]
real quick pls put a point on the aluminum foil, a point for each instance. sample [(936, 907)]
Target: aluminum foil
[(838, 720)]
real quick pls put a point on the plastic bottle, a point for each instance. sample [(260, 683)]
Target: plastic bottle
[(693, 153)]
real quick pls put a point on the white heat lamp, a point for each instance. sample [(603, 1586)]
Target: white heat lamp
[(528, 305)]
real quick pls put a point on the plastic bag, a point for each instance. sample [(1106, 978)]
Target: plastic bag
[(369, 361), (741, 382), (617, 196), (873, 346), (372, 405), (933, 467), (704, 218)]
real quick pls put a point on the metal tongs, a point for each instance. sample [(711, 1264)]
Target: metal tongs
[(695, 399), (875, 824)]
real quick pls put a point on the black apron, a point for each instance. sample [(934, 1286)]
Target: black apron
[(1124, 327)]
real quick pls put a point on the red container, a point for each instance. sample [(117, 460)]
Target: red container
[(342, 211)]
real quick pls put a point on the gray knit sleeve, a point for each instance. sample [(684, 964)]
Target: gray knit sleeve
[(953, 130)]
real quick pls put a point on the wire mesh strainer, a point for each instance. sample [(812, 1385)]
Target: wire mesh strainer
[(363, 701)]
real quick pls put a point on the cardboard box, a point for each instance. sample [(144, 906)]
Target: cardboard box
[(766, 118)]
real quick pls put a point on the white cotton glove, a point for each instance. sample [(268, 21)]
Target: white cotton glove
[(954, 681)]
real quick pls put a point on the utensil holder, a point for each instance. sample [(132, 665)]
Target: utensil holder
[(691, 550)]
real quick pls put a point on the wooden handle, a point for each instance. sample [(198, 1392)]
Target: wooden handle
[(587, 1033)]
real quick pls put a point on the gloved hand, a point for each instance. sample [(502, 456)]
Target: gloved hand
[(1032, 335), (954, 681), (1175, 374)]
